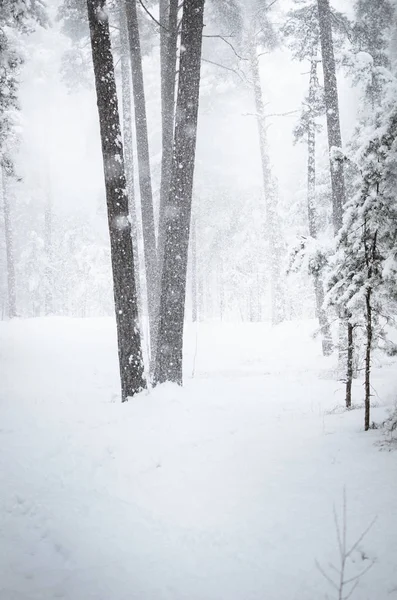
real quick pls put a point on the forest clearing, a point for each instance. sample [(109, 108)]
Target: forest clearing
[(198, 301)]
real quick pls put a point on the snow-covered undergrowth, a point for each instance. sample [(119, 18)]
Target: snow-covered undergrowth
[(222, 490)]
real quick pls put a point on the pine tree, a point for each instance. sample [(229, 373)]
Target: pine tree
[(169, 32), (307, 128), (332, 110), (143, 156), (369, 66), (17, 19), (178, 211), (303, 35), (266, 38), (367, 245), (125, 298)]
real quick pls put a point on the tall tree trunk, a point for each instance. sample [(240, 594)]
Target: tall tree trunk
[(178, 211), (145, 181), (332, 109), (168, 60), (334, 138), (311, 207), (126, 306), (129, 145), (9, 240), (269, 191)]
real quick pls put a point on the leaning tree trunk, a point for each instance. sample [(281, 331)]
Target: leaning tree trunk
[(145, 181), (128, 145), (311, 208), (332, 110), (9, 240), (126, 306), (178, 210), (273, 231)]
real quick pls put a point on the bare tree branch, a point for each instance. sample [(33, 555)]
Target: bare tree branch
[(211, 62), (147, 11), (223, 38)]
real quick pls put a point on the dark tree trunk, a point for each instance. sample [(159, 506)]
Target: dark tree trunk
[(367, 384), (311, 208), (272, 228), (168, 60), (178, 211), (9, 240), (370, 258), (145, 181), (168, 57), (349, 370), (128, 145), (332, 108), (126, 307)]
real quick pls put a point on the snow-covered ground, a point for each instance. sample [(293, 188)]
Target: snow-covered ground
[(222, 490)]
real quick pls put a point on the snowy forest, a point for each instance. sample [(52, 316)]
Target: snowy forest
[(198, 301)]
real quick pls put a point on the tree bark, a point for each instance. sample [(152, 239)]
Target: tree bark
[(9, 240), (269, 192), (332, 108), (311, 208), (367, 383), (178, 210), (168, 60), (126, 307), (128, 146), (349, 370), (145, 182)]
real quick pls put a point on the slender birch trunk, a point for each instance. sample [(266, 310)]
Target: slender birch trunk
[(311, 208), (272, 228), (122, 256)]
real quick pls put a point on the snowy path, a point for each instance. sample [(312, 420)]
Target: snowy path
[(222, 490)]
